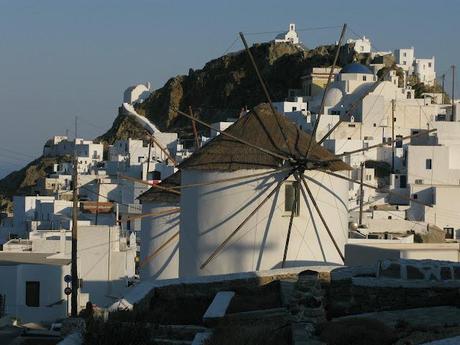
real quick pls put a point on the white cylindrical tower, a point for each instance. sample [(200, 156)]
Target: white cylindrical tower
[(211, 212), (160, 233)]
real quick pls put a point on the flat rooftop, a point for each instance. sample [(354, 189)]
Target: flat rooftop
[(21, 258)]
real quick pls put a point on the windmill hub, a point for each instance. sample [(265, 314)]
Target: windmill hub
[(311, 164)]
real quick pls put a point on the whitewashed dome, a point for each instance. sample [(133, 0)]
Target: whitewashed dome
[(333, 97)]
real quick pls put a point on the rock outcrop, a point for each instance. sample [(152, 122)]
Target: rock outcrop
[(226, 85)]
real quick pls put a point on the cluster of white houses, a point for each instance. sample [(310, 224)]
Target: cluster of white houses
[(228, 206), (383, 112), (422, 68)]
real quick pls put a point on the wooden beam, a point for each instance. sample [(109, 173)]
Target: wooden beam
[(323, 220), (148, 184), (153, 214), (402, 196), (329, 79)]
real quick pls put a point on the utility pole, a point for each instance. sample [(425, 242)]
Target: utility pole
[(443, 78), (393, 108), (74, 273), (361, 195), (195, 132), (148, 159), (98, 186), (453, 91)]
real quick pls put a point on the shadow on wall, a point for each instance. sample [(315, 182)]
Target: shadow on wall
[(358, 255), (104, 293)]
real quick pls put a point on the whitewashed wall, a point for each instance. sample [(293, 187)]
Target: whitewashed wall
[(155, 231), (210, 213)]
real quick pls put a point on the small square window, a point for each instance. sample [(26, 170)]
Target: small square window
[(428, 164)]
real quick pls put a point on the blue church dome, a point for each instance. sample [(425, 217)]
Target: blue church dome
[(356, 68)]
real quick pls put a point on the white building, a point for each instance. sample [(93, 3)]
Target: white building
[(373, 106), (136, 93), (34, 284), (361, 45), (131, 156), (404, 58), (88, 153), (433, 177), (24, 209), (289, 36), (424, 70)]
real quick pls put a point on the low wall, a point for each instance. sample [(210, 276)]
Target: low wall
[(394, 284)]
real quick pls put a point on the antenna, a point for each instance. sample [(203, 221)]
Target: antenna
[(453, 90)]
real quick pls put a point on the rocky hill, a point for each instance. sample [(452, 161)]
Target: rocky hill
[(227, 84), (23, 181)]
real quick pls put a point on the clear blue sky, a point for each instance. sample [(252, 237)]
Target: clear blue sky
[(61, 59)]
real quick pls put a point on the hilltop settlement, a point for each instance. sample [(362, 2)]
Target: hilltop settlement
[(211, 214)]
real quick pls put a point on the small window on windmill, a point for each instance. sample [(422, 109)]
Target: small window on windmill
[(292, 198), (428, 164)]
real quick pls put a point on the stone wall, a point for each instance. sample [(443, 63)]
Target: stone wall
[(346, 298), (394, 284)]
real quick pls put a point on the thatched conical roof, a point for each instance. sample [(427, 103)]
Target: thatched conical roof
[(259, 127)]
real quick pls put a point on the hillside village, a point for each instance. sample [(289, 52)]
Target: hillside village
[(351, 180)]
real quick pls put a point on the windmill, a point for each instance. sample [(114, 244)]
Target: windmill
[(267, 141)]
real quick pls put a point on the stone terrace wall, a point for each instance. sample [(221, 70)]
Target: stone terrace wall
[(393, 284), (345, 298)]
